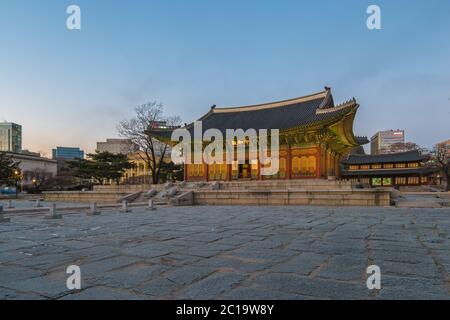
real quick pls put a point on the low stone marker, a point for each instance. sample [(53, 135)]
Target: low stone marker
[(93, 211), (2, 218), (125, 208), (38, 203), (151, 205), (10, 204), (52, 212)]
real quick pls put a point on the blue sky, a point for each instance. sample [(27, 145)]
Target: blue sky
[(71, 88)]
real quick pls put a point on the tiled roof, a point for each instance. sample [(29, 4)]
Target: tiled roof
[(282, 115), (382, 172), (302, 112), (385, 158)]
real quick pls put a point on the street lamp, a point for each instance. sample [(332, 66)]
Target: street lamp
[(16, 181)]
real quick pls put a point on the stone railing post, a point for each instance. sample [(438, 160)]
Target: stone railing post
[(52, 212), (93, 211), (2, 217), (125, 207)]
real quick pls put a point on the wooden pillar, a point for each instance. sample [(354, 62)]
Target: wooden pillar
[(185, 172), (228, 172), (318, 162), (338, 165), (332, 162), (288, 163), (206, 168)]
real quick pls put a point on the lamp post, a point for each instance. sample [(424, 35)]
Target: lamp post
[(17, 177), (34, 181)]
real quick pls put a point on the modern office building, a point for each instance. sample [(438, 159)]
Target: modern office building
[(67, 153), (382, 140), (10, 137), (117, 146)]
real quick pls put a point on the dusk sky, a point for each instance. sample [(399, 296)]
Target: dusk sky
[(71, 88)]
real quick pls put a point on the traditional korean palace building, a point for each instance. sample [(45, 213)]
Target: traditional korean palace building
[(397, 169), (315, 135)]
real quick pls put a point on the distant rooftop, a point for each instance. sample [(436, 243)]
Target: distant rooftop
[(408, 156)]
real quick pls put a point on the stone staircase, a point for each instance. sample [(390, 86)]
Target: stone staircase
[(422, 200), (171, 193), (266, 192)]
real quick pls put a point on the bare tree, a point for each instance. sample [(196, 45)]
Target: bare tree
[(139, 130), (405, 146), (440, 162)]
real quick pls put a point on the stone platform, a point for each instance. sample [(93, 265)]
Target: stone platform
[(84, 196), (357, 197), (238, 252), (266, 192)]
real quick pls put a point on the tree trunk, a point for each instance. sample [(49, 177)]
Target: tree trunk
[(155, 177)]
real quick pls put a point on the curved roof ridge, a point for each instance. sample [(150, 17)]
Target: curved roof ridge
[(350, 103), (405, 156), (269, 105), (389, 154)]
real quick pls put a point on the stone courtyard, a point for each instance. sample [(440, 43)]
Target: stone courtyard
[(239, 252)]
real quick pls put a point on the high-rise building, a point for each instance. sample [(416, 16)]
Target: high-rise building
[(10, 137), (117, 146), (67, 153), (381, 142)]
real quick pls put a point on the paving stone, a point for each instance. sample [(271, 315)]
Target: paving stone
[(46, 261), (46, 286), (103, 293), (101, 266), (344, 268), (188, 274), (211, 286), (158, 288), (302, 264), (130, 276), (237, 252), (319, 288), (8, 294), (425, 270), (404, 294), (11, 274), (260, 294), (400, 256), (414, 284)]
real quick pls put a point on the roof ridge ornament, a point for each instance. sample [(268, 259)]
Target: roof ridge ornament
[(344, 105), (328, 101), (282, 103)]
